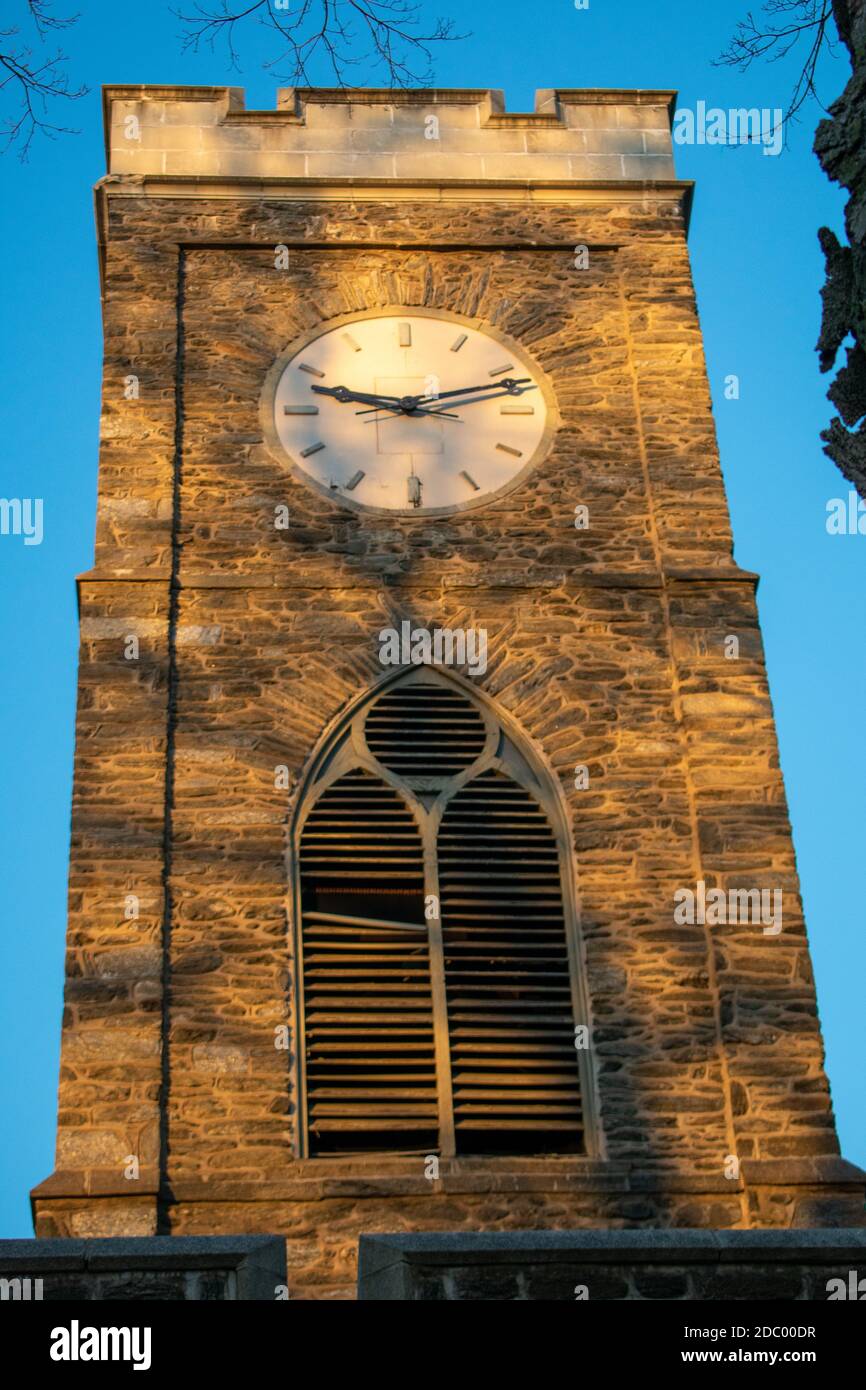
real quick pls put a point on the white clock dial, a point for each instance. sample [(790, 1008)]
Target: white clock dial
[(408, 412)]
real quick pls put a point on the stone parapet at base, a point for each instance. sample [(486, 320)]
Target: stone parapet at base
[(603, 1265), (162, 1268)]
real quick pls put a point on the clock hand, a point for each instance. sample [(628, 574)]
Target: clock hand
[(508, 383), (418, 410), (490, 396), (492, 393), (344, 395), (400, 405), (512, 386)]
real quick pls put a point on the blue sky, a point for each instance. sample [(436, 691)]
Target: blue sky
[(758, 271)]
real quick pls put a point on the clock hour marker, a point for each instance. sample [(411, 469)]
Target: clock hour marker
[(355, 479), (464, 337), (313, 449), (506, 449), (351, 342), (300, 410), (405, 335), (313, 371), (470, 480), (517, 410), (500, 371)]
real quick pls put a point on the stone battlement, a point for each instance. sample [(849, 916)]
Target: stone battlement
[(423, 134)]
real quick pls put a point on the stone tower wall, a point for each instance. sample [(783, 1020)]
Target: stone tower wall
[(607, 646)]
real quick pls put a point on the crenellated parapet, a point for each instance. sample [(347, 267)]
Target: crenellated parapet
[(458, 134)]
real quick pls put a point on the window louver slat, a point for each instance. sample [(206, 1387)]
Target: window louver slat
[(511, 1027), (370, 1067), (424, 731)]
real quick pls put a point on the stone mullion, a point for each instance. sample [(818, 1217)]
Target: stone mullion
[(442, 1042)]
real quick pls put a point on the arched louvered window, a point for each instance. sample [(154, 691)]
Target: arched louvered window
[(439, 991)]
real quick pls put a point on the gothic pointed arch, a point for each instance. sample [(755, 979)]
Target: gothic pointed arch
[(440, 996)]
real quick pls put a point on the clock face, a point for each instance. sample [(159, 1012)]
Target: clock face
[(407, 412)]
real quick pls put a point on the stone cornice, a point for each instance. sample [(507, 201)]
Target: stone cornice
[(349, 187)]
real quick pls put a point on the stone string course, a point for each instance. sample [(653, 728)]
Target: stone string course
[(606, 646)]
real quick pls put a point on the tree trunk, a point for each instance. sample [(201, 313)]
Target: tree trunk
[(840, 144)]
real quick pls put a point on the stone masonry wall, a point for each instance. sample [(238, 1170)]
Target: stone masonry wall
[(606, 645)]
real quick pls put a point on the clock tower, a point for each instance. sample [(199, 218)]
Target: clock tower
[(431, 868)]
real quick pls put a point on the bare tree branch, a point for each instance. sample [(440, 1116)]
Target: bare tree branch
[(44, 20), (780, 27), (35, 81), (344, 34)]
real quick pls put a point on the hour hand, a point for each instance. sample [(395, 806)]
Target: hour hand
[(344, 395)]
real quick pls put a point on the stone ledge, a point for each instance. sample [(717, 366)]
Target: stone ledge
[(583, 193), (601, 579), (610, 1265), (65, 1182), (294, 100), (154, 1266), (321, 1179), (610, 1247), (802, 1172)]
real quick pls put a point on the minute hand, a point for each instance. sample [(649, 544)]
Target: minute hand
[(508, 383), (512, 386)]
